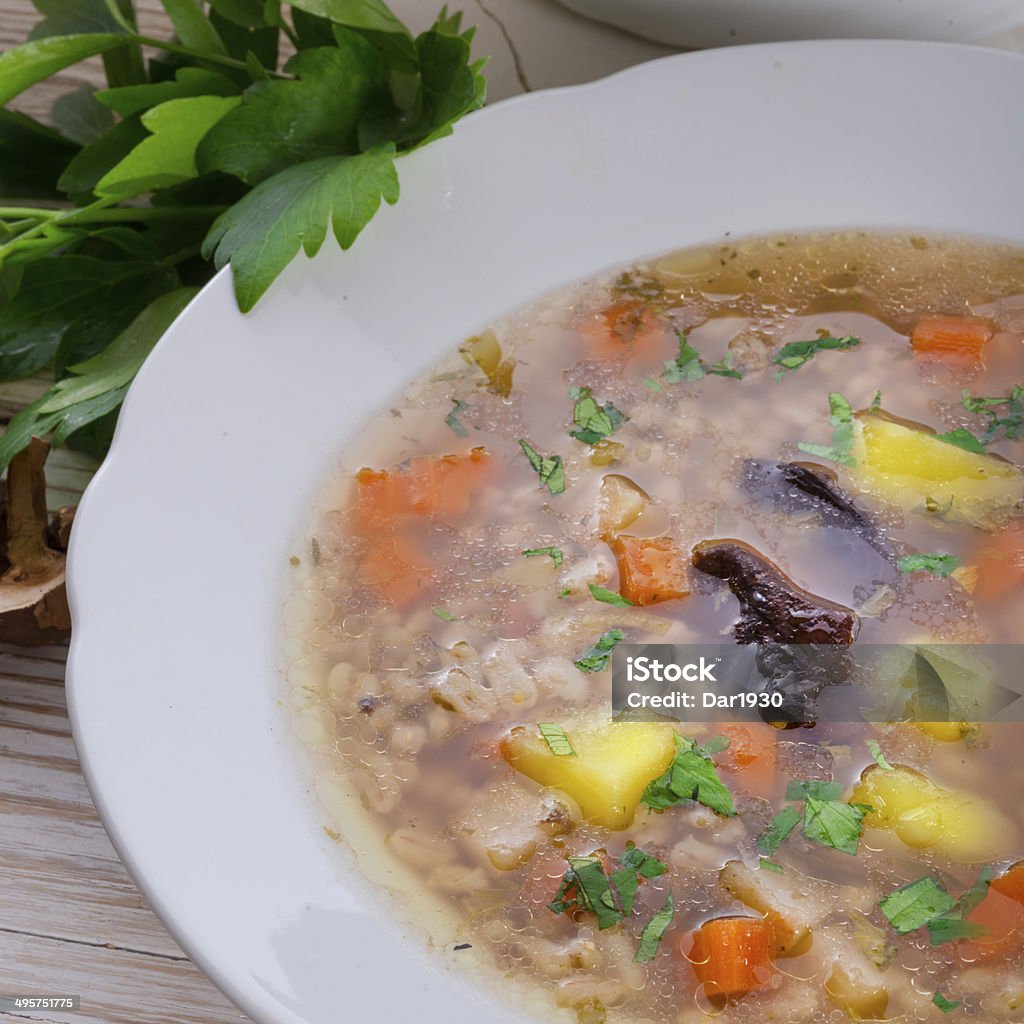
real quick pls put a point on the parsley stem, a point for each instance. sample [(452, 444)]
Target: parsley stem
[(213, 58), (50, 217), (140, 213)]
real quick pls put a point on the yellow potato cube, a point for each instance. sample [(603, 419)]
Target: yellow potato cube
[(958, 825), (620, 503), (906, 462), (860, 997), (607, 775)]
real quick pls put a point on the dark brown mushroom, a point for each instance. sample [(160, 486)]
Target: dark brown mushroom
[(809, 487), (773, 609), (33, 595)]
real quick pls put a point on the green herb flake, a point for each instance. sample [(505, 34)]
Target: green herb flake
[(962, 438), (1004, 415), (691, 776), (835, 824), (914, 905), (951, 928), (651, 384), (880, 759), (688, 365), (556, 739), (547, 467), (443, 613), (944, 1004), (794, 354), (770, 865), (802, 789), (593, 422), (597, 657), (556, 555), (841, 421), (778, 830), (937, 564), (876, 402), (452, 419), (651, 936), (609, 597), (565, 592)]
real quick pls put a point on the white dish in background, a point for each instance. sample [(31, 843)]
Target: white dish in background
[(702, 23), (181, 547)]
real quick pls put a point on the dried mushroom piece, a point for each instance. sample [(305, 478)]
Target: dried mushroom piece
[(33, 595), (773, 609), (794, 487)]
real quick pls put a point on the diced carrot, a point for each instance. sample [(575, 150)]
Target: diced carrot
[(395, 569), (626, 327), (999, 559), (951, 336), (1003, 916), (440, 487), (1011, 883), (651, 570), (750, 756), (731, 956)]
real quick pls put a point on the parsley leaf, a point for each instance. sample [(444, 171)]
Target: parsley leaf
[(556, 555), (444, 614), (944, 1004), (609, 597), (691, 776), (802, 789), (794, 354), (547, 467), (952, 927), (597, 657), (778, 830), (914, 905), (1011, 422), (841, 420), (688, 365), (452, 419), (655, 929), (835, 824), (556, 739), (594, 422), (770, 865), (263, 231), (937, 564), (880, 758), (962, 438)]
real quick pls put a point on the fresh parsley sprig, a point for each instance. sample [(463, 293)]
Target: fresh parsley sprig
[(691, 776), (211, 152)]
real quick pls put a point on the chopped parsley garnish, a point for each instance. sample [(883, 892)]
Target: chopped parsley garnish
[(1010, 421), (651, 384), (916, 904), (688, 365), (770, 865), (827, 820), (586, 886), (556, 555), (880, 759), (937, 564), (609, 597), (597, 657), (962, 439), (834, 823), (593, 422), (691, 776), (794, 354), (944, 1004), (547, 467), (841, 420), (804, 788), (876, 402), (452, 419), (778, 830), (650, 939), (554, 736), (565, 592), (443, 613), (977, 892)]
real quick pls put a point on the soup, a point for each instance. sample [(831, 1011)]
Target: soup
[(780, 441)]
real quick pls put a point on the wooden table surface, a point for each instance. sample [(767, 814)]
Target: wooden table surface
[(71, 920)]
